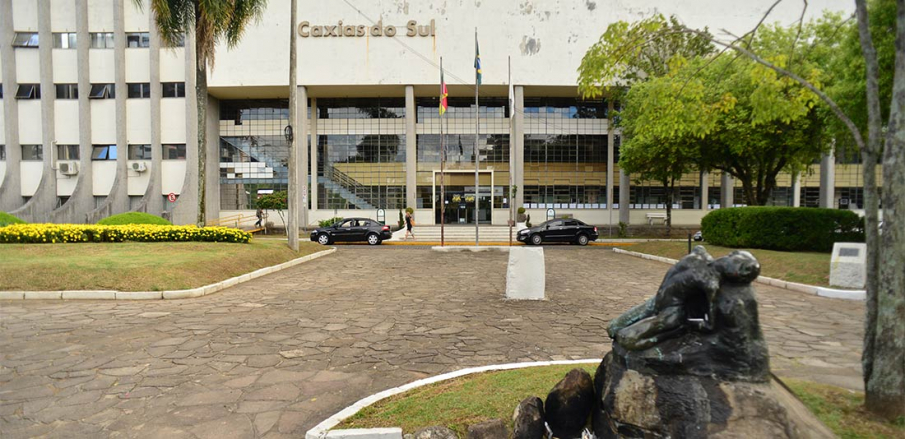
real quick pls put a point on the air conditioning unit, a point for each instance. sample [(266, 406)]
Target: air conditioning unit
[(139, 167), (69, 168)]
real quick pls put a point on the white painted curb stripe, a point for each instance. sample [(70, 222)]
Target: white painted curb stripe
[(794, 286), (154, 295), (320, 430)]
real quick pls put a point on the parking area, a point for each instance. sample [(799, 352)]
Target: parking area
[(274, 356)]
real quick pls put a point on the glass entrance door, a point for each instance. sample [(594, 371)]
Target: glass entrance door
[(460, 205)]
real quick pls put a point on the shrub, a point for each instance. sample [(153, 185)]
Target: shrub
[(410, 210), (329, 222), (528, 221), (134, 218), (623, 233), (782, 228), (7, 219), (521, 210), (66, 233)]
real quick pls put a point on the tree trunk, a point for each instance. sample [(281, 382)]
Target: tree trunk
[(669, 192), (201, 99), (872, 239), (885, 391)]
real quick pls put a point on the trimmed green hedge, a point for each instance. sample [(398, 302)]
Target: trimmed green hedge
[(782, 228), (330, 221), (65, 233), (134, 218), (7, 219)]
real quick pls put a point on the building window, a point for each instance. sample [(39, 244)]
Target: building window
[(32, 152), (139, 90), (139, 152), (2, 153), (1, 91), (29, 91), (174, 152), (173, 89), (67, 91), (103, 152), (67, 152), (64, 40), (101, 40), (138, 39), (26, 39), (102, 91)]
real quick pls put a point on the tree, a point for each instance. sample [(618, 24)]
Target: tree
[(211, 22), (884, 348), (274, 201)]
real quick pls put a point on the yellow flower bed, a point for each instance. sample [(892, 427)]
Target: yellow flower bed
[(62, 233)]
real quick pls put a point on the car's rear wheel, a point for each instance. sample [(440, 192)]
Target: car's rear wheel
[(582, 240), (536, 239), (323, 239), (373, 239)]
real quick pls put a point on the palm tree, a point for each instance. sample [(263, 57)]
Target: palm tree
[(211, 22)]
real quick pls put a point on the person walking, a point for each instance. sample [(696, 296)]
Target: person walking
[(260, 214), (409, 224)]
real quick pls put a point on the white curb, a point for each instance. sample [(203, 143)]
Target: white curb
[(366, 433), (157, 295), (320, 431), (794, 286)]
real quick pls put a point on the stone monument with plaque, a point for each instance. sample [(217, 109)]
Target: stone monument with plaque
[(848, 265)]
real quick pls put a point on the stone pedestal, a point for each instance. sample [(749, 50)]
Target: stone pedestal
[(848, 265), (632, 404)]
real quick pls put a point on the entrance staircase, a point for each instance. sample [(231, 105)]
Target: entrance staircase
[(459, 234)]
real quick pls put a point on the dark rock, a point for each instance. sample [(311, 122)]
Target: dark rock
[(435, 432), (493, 429), (632, 404), (569, 404), (528, 419)]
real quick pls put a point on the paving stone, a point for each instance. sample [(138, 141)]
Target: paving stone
[(339, 334)]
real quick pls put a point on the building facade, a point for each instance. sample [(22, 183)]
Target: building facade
[(98, 117)]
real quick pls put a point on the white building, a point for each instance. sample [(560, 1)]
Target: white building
[(96, 119)]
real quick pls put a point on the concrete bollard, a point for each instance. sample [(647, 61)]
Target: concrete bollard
[(526, 274)]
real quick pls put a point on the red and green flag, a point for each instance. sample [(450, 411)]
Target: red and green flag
[(443, 93)]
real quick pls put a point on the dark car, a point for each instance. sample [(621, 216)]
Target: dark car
[(351, 230), (559, 230)]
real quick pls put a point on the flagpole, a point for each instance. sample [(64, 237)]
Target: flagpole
[(509, 189), (477, 123), (442, 163)]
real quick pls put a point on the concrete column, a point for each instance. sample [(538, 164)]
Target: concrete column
[(610, 155), (625, 196), (212, 169), (705, 191), (117, 200), (44, 200), (727, 190), (828, 180), (411, 149), (302, 144), (519, 138), (796, 190), (11, 185), (152, 201), (313, 127), (185, 210)]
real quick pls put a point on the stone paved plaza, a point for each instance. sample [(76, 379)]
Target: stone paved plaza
[(275, 356)]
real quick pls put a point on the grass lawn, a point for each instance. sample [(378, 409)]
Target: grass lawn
[(802, 267), (843, 411), (472, 399), (463, 401), (136, 266)]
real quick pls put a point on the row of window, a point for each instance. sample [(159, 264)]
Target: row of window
[(99, 152), (99, 40), (100, 91)]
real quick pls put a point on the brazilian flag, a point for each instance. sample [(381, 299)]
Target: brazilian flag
[(477, 61)]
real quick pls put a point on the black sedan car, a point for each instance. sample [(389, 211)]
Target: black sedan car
[(559, 230), (351, 230)]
